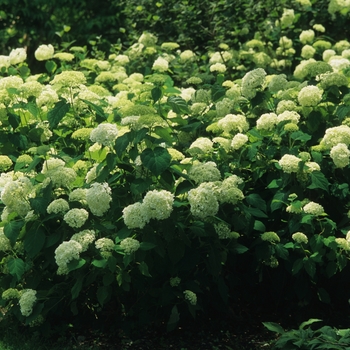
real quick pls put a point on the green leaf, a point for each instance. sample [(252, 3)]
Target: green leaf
[(12, 230), (259, 226), (14, 120), (16, 267), (281, 251), (173, 319), (50, 66), (297, 266), (76, 264), (256, 212), (140, 185), (55, 115), (164, 133), (240, 249), (143, 267), (217, 91), (323, 296), (318, 181), (121, 143), (103, 293), (178, 104), (176, 251), (301, 136), (310, 321), (256, 201), (147, 245), (156, 94), (156, 160), (310, 267), (99, 263), (77, 287), (274, 327), (34, 241), (98, 110)]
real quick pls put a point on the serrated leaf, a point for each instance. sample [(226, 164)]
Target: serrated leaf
[(16, 267), (178, 104), (77, 287), (156, 160), (256, 201), (12, 230), (156, 94), (34, 241), (55, 115), (102, 294), (310, 267), (318, 181), (121, 144), (143, 267), (274, 327), (14, 120)]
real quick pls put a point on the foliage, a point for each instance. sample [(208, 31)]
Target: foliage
[(325, 337), (142, 185)]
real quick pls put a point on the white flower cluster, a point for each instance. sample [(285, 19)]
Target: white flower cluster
[(251, 81), (160, 65), (5, 243), (190, 296), (203, 201), (300, 237), (85, 238), (200, 147), (58, 206), (104, 244), (15, 195), (313, 208), (340, 155), (130, 245), (27, 301), (60, 175), (76, 217), (267, 121), (233, 122), (309, 96), (65, 253), (270, 236), (175, 281), (223, 231), (156, 205), (229, 191), (98, 197), (18, 56), (104, 134), (289, 163), (44, 52), (291, 116), (204, 172), (307, 36), (336, 135), (238, 141)]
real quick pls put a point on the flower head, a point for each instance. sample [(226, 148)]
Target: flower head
[(27, 301), (313, 208), (129, 245), (58, 206), (270, 236), (18, 56), (190, 296), (309, 96), (65, 253), (158, 204), (76, 217), (44, 52), (289, 163), (98, 197), (300, 237), (104, 134), (340, 155), (135, 215)]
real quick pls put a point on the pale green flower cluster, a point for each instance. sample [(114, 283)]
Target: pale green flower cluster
[(15, 195), (204, 172), (233, 122), (129, 245), (300, 237), (76, 217), (307, 52), (251, 81), (104, 244), (336, 135), (78, 195), (26, 301), (104, 134), (10, 293), (291, 116), (335, 6), (190, 296), (218, 67), (5, 243), (44, 52), (69, 78), (200, 147), (289, 163), (270, 236), (187, 56), (65, 253), (223, 231), (84, 238), (287, 18), (309, 96), (343, 243), (238, 141), (229, 191), (319, 27), (58, 206), (266, 121), (98, 197), (135, 216), (5, 163), (160, 65), (307, 36), (60, 175), (17, 56), (330, 79), (175, 281), (277, 83), (158, 204), (340, 155), (313, 208), (203, 201)]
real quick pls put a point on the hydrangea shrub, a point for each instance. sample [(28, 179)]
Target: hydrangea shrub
[(123, 188)]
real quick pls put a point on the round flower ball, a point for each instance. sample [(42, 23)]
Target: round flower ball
[(309, 96), (44, 52)]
